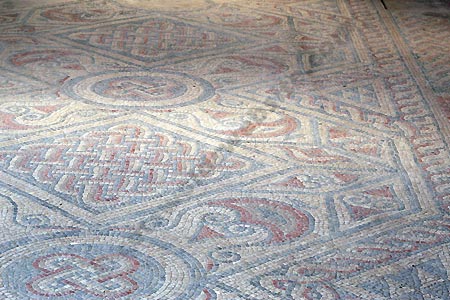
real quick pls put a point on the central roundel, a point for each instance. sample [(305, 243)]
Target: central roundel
[(100, 265), (154, 89)]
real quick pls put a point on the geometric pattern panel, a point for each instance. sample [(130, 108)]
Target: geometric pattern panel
[(121, 164), (422, 276), (153, 39), (424, 280), (224, 149)]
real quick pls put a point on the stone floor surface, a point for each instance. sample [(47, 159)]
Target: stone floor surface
[(229, 150)]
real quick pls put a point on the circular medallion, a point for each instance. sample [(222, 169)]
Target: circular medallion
[(99, 266), (155, 89)]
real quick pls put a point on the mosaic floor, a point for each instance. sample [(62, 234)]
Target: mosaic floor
[(212, 149)]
